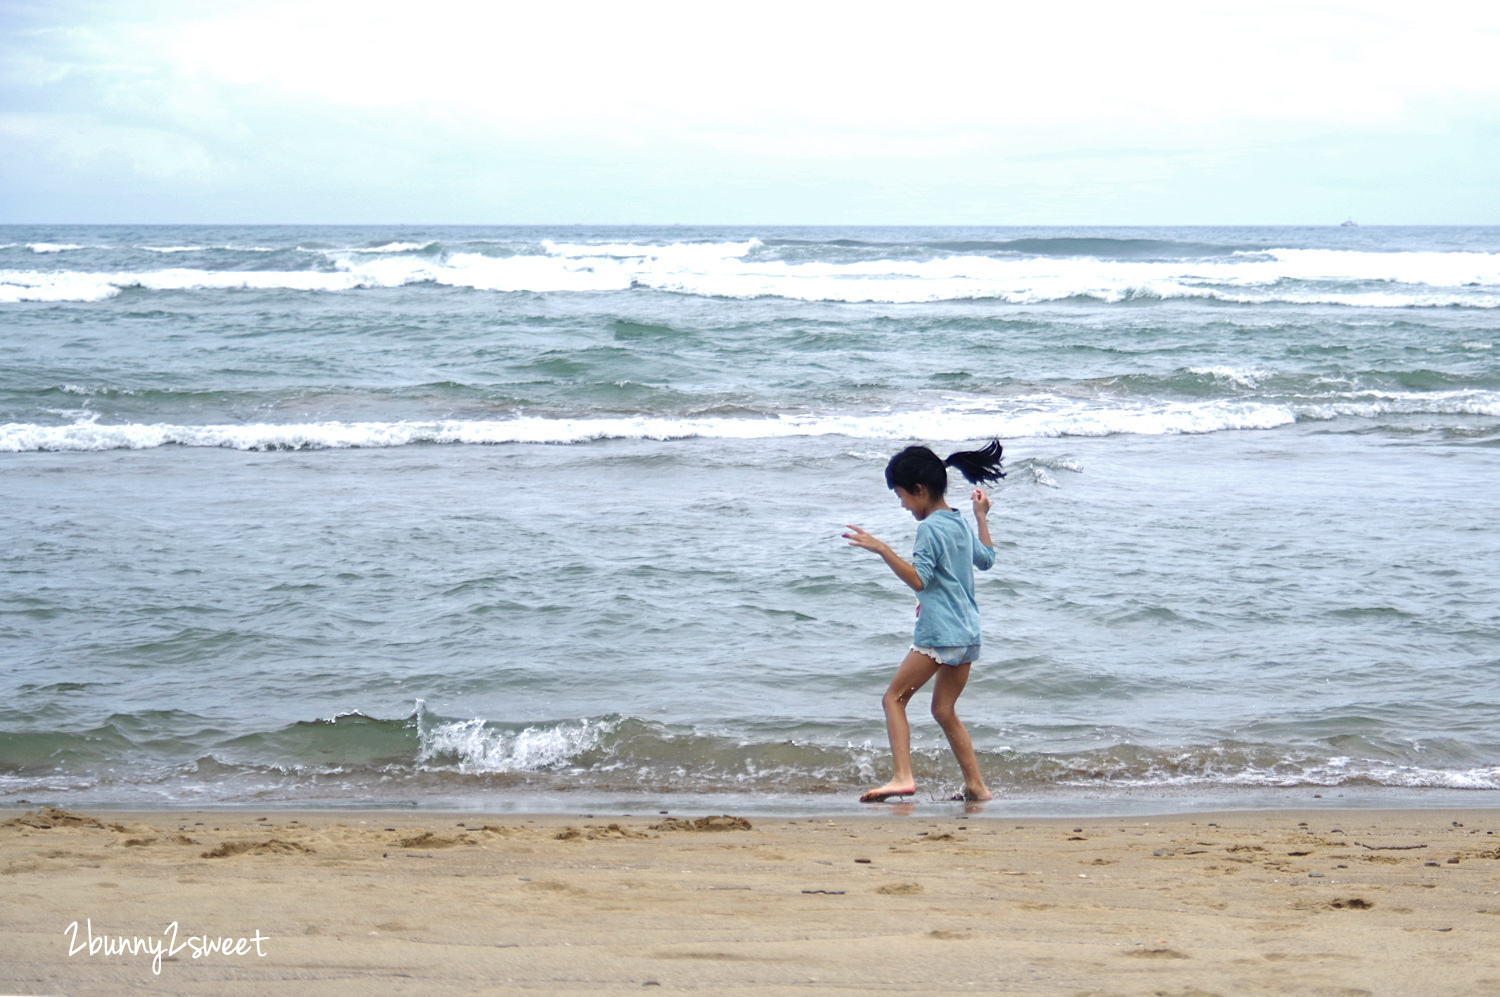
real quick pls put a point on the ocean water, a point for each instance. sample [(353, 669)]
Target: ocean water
[(548, 518)]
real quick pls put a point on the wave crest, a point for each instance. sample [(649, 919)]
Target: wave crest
[(1033, 416), (741, 270), (424, 755)]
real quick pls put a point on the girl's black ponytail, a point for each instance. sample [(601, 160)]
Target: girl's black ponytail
[(978, 466), (919, 466)]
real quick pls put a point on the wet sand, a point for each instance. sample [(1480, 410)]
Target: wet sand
[(1233, 904)]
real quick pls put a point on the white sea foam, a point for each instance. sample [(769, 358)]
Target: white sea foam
[(1235, 376), (16, 286), (1059, 464), (1191, 771), (52, 247), (490, 273), (1452, 269), (677, 251), (734, 270), (393, 247), (480, 749), (202, 249), (70, 285), (1035, 416), (1041, 477), (97, 390)]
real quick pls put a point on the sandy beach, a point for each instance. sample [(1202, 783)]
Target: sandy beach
[(1239, 903)]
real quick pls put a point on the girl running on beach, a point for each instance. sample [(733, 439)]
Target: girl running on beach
[(947, 636)]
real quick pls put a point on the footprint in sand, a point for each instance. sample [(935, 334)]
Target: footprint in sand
[(275, 846), (722, 822), (1157, 954)]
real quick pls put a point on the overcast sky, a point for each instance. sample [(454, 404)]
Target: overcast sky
[(452, 111)]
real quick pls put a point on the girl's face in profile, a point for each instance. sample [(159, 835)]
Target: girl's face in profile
[(914, 502)]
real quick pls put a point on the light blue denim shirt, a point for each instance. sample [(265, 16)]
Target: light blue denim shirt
[(945, 556)]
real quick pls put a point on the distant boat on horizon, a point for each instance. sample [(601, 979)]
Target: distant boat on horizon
[(1349, 223)]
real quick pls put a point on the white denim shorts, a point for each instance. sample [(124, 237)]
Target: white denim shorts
[(962, 655)]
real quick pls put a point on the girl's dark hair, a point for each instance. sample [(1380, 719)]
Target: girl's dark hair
[(920, 466)]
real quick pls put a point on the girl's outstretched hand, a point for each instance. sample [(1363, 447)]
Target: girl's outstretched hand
[(981, 503), (859, 538)]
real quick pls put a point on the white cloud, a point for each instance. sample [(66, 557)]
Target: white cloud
[(855, 66), (84, 145), (811, 111)]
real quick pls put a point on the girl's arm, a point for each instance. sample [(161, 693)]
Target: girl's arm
[(981, 510), (904, 571), (984, 554)]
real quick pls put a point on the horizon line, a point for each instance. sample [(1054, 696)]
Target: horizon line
[(723, 225)]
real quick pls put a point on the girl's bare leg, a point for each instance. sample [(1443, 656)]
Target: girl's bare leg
[(951, 682), (913, 672)]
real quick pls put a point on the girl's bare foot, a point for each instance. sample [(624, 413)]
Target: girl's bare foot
[(883, 793), (981, 795)]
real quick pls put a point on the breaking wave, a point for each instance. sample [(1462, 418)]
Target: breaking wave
[(357, 756), (750, 269), (1033, 416)]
